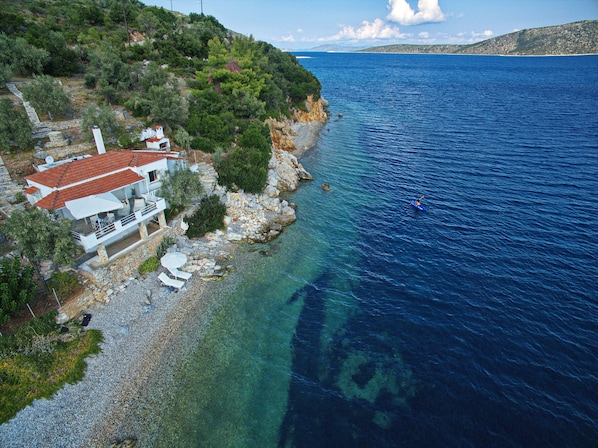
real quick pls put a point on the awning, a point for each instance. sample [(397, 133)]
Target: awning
[(92, 205)]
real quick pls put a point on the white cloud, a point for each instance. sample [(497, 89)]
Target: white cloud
[(288, 38), (467, 38), (486, 34), (378, 29), (428, 11)]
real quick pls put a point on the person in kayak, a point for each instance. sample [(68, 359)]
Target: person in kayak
[(418, 202)]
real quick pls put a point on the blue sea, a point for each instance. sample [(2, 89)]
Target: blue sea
[(368, 323)]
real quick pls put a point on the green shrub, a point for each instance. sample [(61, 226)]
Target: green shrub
[(19, 197), (16, 287), (164, 245), (149, 265), (208, 217), (171, 212), (37, 327), (65, 284), (243, 169), (203, 144)]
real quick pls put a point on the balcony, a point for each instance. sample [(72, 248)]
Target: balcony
[(110, 231)]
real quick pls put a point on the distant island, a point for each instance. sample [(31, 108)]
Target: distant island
[(569, 39)]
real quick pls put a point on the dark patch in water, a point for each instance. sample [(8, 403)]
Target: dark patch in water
[(365, 374)]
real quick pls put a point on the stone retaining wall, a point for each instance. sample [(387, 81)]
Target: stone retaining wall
[(102, 282)]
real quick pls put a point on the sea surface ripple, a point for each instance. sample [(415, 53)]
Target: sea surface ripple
[(370, 323)]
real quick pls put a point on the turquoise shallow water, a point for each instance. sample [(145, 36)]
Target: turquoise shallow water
[(368, 323), (234, 390)]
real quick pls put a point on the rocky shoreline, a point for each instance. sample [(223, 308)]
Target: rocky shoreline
[(139, 318)]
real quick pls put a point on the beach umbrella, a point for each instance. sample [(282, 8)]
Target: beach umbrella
[(173, 260)]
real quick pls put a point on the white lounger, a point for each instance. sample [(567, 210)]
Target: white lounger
[(179, 274), (167, 281)]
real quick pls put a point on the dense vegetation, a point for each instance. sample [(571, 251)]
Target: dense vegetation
[(246, 166), (571, 38), (65, 284), (17, 287), (188, 73), (39, 359)]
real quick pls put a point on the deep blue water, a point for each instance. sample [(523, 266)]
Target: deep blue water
[(472, 324), (490, 296)]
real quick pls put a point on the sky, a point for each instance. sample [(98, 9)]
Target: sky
[(307, 24)]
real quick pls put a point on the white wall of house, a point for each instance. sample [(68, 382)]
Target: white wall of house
[(43, 190), (152, 173), (163, 144)]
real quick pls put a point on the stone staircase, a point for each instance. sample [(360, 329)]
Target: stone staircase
[(28, 108), (208, 178)]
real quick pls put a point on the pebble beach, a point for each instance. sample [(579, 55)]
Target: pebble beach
[(136, 330)]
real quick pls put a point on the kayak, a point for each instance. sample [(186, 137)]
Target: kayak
[(419, 207)]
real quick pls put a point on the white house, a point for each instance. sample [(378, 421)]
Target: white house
[(155, 139), (107, 196)]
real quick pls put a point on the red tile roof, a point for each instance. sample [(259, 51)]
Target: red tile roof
[(31, 190), (91, 167), (56, 199)]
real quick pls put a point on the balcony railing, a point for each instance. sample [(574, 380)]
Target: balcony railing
[(109, 230)]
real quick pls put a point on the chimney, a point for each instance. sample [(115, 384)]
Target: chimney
[(159, 132), (97, 135)]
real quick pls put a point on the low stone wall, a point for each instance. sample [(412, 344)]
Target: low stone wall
[(119, 272)]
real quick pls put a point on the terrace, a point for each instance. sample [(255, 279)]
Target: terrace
[(106, 228)]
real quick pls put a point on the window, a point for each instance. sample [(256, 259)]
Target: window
[(153, 176)]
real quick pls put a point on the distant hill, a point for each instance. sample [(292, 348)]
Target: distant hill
[(571, 38)]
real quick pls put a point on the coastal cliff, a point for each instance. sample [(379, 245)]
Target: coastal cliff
[(285, 135), (259, 218)]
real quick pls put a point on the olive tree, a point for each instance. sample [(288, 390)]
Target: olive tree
[(181, 188), (15, 127), (102, 117), (28, 59), (166, 105), (45, 93), (41, 236), (5, 73)]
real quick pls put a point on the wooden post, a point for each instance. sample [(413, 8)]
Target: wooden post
[(56, 297)]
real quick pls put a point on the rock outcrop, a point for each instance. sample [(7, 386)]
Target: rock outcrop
[(283, 133), (315, 110)]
